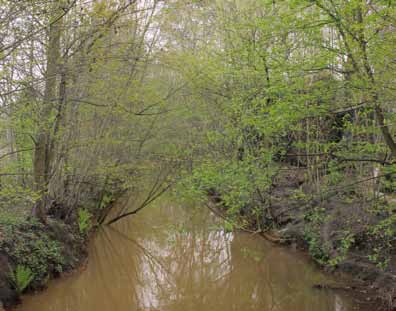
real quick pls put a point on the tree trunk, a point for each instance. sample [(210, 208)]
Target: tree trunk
[(43, 145)]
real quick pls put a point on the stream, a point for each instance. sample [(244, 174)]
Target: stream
[(175, 257)]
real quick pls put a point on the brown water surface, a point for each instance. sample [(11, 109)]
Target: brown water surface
[(177, 258)]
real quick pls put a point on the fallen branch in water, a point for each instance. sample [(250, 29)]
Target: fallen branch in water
[(333, 286), (143, 205), (160, 186)]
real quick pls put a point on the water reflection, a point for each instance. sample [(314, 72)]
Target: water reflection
[(174, 258)]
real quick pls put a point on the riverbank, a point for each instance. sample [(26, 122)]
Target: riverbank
[(31, 254), (342, 233)]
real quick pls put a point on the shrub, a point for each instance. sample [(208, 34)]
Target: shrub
[(28, 244)]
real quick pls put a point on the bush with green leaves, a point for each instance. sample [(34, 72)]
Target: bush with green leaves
[(382, 235), (236, 182), (28, 244), (314, 220)]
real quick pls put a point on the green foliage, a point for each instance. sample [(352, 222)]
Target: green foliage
[(315, 247), (345, 244), (15, 195), (28, 244), (84, 220), (388, 184), (314, 220), (320, 250), (280, 102), (383, 234), (21, 278), (334, 174), (10, 219), (228, 226), (299, 195), (236, 182), (106, 199)]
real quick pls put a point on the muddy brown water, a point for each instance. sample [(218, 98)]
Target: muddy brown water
[(174, 257)]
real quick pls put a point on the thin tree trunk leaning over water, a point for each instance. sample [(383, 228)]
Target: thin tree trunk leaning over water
[(160, 186)]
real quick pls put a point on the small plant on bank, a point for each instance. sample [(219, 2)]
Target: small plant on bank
[(84, 220), (318, 251), (21, 278), (345, 244)]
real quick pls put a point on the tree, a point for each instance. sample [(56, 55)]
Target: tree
[(43, 149)]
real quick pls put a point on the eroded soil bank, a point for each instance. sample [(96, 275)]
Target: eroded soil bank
[(32, 253), (336, 231)]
